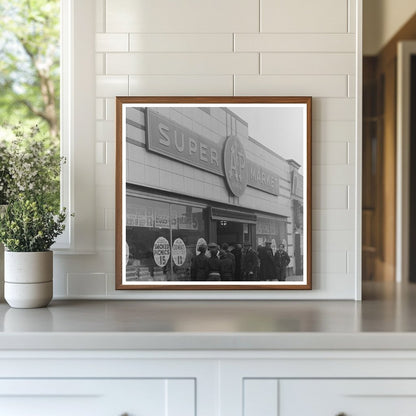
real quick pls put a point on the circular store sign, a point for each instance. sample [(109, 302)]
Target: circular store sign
[(161, 251), (179, 252), (235, 165)]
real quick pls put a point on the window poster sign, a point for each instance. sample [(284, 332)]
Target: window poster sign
[(178, 252), (230, 173), (161, 251)]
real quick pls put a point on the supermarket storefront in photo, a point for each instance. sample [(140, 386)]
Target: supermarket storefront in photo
[(194, 176)]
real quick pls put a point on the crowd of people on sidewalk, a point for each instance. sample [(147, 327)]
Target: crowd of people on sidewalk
[(226, 264)]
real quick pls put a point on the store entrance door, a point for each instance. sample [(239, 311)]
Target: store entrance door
[(233, 232)]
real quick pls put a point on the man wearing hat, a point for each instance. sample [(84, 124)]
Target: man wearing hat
[(282, 260), (214, 264), (199, 265), (249, 263), (267, 267)]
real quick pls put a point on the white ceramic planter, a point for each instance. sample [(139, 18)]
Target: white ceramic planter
[(28, 279)]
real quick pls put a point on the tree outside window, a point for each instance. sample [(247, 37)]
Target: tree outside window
[(30, 68)]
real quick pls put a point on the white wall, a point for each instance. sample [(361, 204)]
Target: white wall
[(381, 20), (233, 47)]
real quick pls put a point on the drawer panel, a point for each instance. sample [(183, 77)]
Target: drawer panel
[(349, 397), (81, 397)]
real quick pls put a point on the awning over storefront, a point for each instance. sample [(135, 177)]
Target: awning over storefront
[(231, 215)]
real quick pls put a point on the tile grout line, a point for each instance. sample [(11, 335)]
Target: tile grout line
[(104, 16), (348, 16), (260, 21)]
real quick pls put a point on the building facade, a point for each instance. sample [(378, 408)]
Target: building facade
[(194, 175)]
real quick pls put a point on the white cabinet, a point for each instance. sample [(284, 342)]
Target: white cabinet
[(207, 383), (86, 397)]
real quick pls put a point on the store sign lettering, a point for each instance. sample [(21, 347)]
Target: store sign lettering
[(235, 165), (263, 179), (169, 139)]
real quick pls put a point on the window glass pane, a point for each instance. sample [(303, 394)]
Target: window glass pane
[(271, 229), (161, 239), (148, 239), (188, 225)]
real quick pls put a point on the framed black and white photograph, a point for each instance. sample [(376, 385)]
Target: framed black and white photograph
[(213, 193)]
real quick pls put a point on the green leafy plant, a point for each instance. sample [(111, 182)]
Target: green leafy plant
[(4, 173), (30, 167), (29, 163), (30, 225)]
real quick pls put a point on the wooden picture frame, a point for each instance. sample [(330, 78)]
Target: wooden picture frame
[(194, 171)]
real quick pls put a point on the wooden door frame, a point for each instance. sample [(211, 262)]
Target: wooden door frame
[(404, 50)]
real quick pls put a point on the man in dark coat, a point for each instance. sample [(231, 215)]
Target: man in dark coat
[(199, 265), (249, 263), (238, 254), (214, 264), (281, 260), (227, 267), (267, 266)]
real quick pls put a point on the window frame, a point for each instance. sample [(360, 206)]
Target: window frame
[(77, 102)]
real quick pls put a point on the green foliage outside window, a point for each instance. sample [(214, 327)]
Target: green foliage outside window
[(30, 83)]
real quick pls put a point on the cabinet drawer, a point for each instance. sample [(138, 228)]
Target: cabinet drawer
[(86, 397), (349, 397)]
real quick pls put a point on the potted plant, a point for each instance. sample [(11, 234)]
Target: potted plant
[(32, 220), (28, 229)]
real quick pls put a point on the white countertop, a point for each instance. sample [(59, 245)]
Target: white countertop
[(385, 320)]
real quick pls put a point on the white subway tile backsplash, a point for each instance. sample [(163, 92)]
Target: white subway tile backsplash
[(330, 109), (99, 63), (330, 197), (307, 63), (181, 85), (100, 153), (182, 16), (105, 240), (294, 42), (322, 130), (112, 42), (109, 219), (300, 16), (104, 175), (105, 131), (312, 85), (186, 48), (333, 174), (333, 240), (352, 16), (330, 153), (99, 109), (351, 86), (110, 109), (100, 15), (86, 284), (182, 63), (111, 86), (329, 262), (100, 218), (181, 42), (111, 153), (333, 219)]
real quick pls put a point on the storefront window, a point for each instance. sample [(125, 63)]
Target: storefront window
[(273, 230), (161, 239)]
